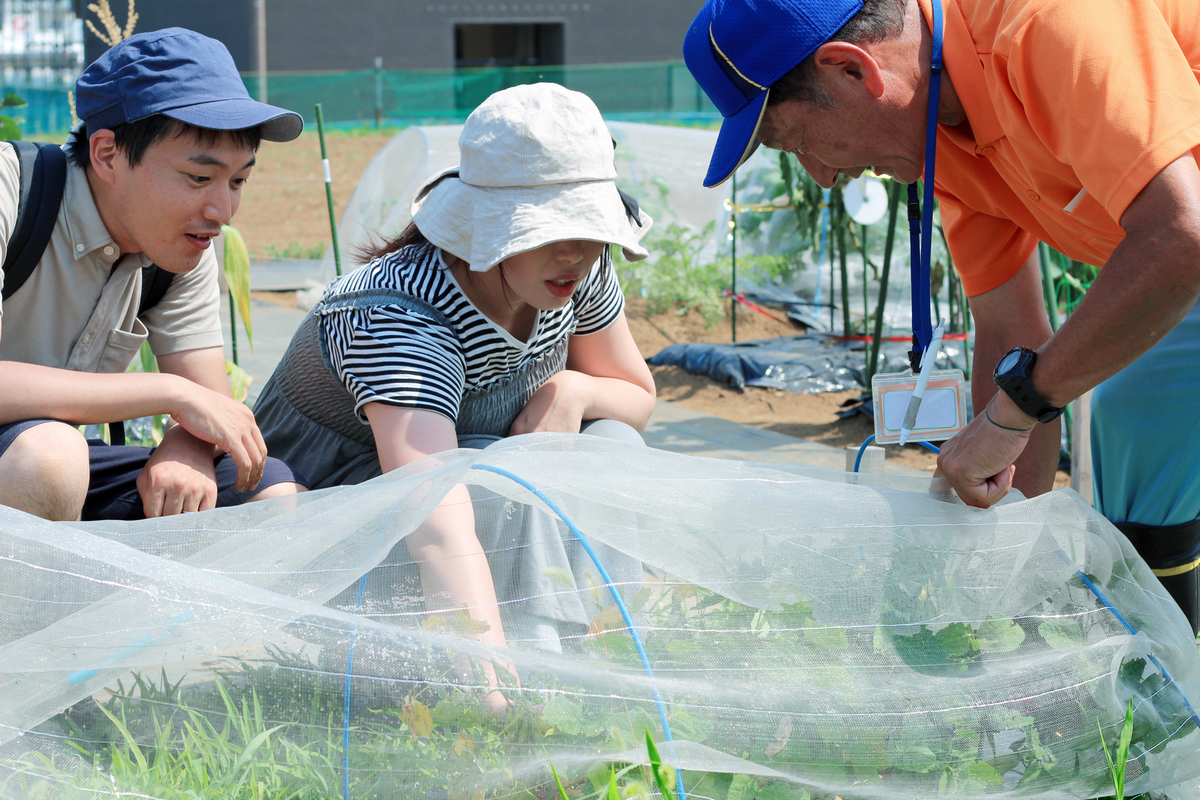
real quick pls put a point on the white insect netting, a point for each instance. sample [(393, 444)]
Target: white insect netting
[(811, 635)]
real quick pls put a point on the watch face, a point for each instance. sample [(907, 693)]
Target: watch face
[(1008, 362)]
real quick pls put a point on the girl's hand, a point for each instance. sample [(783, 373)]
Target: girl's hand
[(558, 405), (496, 704)]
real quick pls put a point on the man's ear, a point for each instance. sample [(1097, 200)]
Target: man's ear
[(103, 155), (847, 66)]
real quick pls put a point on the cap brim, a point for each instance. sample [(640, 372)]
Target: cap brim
[(276, 124), (736, 142)]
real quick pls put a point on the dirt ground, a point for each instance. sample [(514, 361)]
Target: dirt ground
[(284, 206), (805, 416)]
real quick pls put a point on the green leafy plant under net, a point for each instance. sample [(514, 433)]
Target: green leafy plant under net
[(840, 640)]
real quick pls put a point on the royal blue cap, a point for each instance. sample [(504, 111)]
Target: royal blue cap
[(180, 74), (736, 49)]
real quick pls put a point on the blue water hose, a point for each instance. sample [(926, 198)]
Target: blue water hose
[(863, 448), (608, 581)]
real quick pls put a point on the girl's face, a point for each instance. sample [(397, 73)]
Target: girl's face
[(547, 276)]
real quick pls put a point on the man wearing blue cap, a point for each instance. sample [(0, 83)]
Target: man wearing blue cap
[(1073, 122), (167, 140)]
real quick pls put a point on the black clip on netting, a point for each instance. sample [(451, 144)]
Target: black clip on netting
[(1095, 590), (608, 581), (920, 225)]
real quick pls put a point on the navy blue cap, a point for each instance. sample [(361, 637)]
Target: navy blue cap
[(180, 74), (736, 49)]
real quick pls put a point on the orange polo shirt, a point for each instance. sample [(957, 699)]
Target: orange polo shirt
[(1060, 96)]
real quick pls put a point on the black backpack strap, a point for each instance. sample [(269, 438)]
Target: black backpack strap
[(155, 282), (43, 169)]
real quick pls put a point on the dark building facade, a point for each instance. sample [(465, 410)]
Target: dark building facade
[(319, 35)]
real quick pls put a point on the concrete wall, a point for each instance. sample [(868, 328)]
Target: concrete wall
[(308, 35), (305, 35)]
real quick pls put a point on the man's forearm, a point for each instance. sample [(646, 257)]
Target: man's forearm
[(29, 391), (1038, 463), (1147, 286)]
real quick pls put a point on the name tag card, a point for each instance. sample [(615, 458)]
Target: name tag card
[(943, 410)]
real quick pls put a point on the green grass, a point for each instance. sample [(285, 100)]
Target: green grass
[(273, 729)]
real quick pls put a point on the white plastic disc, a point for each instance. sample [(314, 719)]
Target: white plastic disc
[(865, 199)]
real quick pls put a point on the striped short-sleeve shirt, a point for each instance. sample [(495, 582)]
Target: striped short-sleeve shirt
[(394, 355)]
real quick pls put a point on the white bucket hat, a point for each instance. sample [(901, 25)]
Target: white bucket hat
[(536, 167)]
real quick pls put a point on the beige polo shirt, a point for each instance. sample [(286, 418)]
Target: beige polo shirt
[(75, 312)]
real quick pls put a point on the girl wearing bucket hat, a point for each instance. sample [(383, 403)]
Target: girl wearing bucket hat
[(496, 312)]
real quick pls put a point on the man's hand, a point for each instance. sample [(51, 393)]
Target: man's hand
[(557, 405), (229, 425), (179, 476), (979, 461), (208, 412)]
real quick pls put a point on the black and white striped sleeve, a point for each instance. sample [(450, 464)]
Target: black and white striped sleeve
[(388, 354), (599, 300)]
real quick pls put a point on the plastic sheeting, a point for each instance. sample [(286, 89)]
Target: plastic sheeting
[(809, 363), (811, 635)]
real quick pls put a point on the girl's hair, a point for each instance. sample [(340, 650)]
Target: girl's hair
[(376, 248)]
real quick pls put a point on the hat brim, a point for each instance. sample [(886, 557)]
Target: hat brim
[(485, 225), (736, 142), (276, 124)]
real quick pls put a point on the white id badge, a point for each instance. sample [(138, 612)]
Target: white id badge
[(943, 410)]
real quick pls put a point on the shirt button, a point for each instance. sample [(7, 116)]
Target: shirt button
[(988, 151), (79, 248), (108, 251), (1033, 195)]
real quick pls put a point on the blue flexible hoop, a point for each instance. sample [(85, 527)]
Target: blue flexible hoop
[(608, 581), (1095, 590)]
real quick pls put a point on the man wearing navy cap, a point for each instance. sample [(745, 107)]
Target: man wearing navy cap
[(167, 141), (1073, 122)]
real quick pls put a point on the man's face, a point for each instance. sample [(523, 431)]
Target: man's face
[(847, 139), (174, 202)]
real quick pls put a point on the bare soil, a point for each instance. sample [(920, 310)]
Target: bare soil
[(284, 201), (284, 205)]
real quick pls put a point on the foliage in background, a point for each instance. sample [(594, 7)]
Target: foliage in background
[(113, 32), (675, 277), (294, 250), (10, 127), (237, 276)]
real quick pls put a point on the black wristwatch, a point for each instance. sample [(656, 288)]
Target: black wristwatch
[(1014, 376)]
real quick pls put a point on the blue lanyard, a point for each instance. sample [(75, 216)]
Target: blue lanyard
[(920, 221)]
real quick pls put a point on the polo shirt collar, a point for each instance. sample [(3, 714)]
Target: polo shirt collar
[(965, 68), (85, 228)]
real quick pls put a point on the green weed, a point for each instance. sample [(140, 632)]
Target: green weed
[(294, 250)]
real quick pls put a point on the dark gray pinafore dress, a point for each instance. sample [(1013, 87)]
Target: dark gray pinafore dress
[(307, 417)]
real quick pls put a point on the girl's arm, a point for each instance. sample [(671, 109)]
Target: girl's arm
[(454, 570), (606, 378)]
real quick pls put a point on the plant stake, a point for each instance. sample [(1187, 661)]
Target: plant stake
[(337, 256)]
